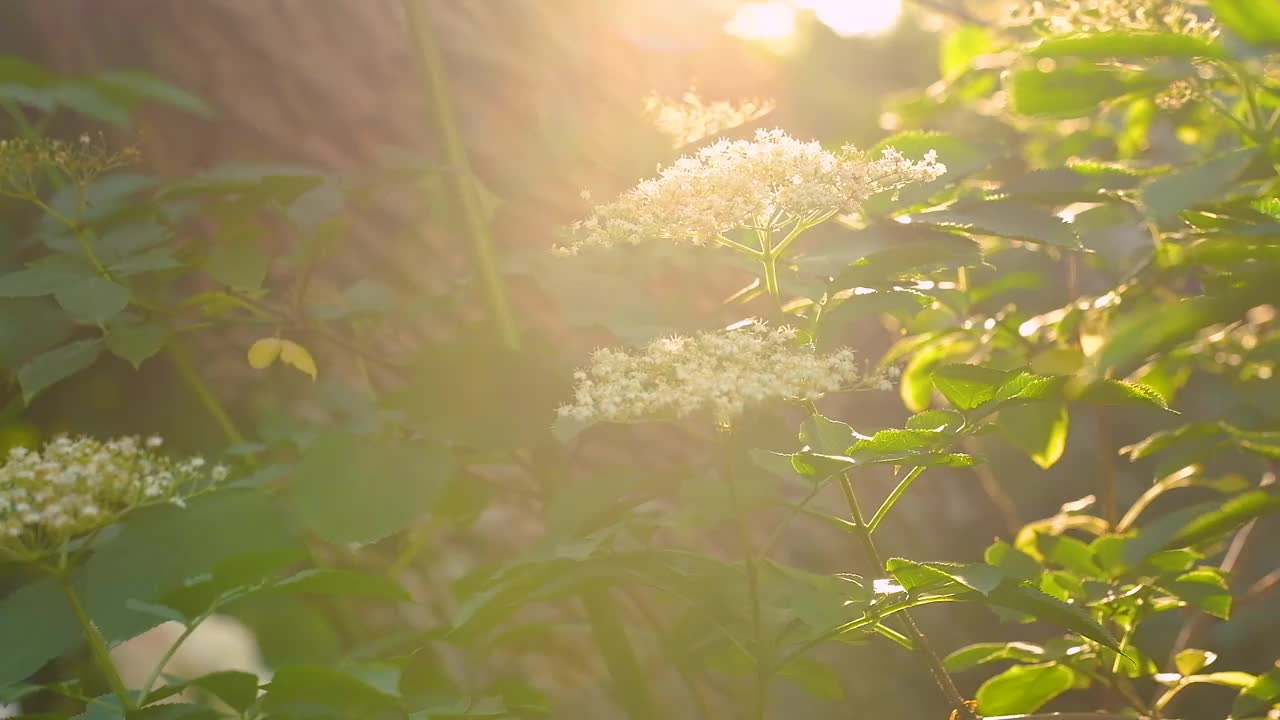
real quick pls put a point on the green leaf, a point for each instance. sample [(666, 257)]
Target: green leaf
[(1024, 688), (1039, 429), (913, 251), (1076, 91), (1206, 589), (1256, 699), (129, 87), (1011, 218), (948, 421), (239, 690), (314, 692), (47, 276), (1192, 661), (237, 259), (814, 677), (893, 445), (968, 386), (1256, 21), (828, 436), (982, 653), (1015, 564), (95, 300), (29, 327), (158, 550), (358, 489), (1193, 186), (476, 393), (46, 369), (1227, 517), (330, 581), (1128, 44), (1159, 327), (136, 342), (961, 47), (1118, 392), (1030, 601)]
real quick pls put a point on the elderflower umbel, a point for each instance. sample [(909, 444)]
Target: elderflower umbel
[(692, 119), (1061, 17), (24, 162), (722, 373), (774, 182), (74, 486)]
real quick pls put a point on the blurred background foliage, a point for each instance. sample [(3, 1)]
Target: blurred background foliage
[(317, 109)]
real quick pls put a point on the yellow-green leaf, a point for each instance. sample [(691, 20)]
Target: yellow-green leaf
[(263, 353), (296, 356)]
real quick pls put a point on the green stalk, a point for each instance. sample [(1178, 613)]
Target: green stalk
[(771, 277), (619, 657), (436, 87), (97, 643), (893, 498), (191, 376), (913, 632), (168, 655)]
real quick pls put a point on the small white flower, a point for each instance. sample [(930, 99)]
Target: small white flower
[(155, 441)]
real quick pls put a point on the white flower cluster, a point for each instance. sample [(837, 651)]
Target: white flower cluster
[(721, 372), (73, 486), (774, 182), (1061, 17), (692, 119)]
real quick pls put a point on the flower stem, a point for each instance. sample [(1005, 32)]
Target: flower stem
[(771, 277), (893, 498), (447, 133), (97, 643), (619, 657), (191, 376), (913, 632), (168, 655)]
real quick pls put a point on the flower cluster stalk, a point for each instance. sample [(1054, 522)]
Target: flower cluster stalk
[(917, 637)]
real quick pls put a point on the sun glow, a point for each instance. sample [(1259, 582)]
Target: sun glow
[(775, 20)]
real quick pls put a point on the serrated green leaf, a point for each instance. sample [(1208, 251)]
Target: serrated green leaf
[(1010, 217), (48, 368), (968, 386), (948, 421), (825, 435), (1190, 187), (982, 653), (1119, 392)]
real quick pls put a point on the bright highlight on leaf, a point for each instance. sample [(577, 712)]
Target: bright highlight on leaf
[(264, 352)]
